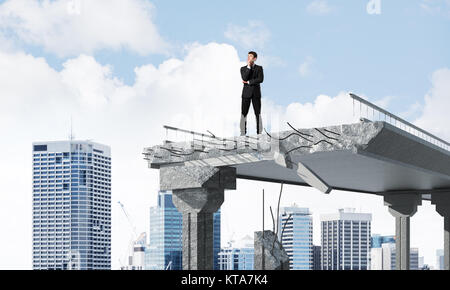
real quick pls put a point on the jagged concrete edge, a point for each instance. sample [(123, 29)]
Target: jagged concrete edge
[(357, 136)]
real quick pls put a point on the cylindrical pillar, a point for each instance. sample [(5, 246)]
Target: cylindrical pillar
[(198, 206), (402, 207), (402, 243), (442, 202)]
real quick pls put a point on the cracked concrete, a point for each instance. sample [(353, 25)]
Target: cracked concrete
[(370, 157), (343, 137), (269, 255)]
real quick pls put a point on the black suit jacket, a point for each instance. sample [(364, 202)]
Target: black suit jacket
[(256, 77)]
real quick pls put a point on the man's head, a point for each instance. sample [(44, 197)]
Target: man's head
[(252, 56)]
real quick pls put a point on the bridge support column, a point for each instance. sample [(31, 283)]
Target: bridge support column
[(198, 206), (402, 207), (442, 202), (198, 192)]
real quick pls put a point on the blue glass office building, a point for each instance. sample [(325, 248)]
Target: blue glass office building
[(297, 238), (71, 205), (376, 241), (165, 244)]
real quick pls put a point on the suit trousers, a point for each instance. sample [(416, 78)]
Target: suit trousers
[(245, 107)]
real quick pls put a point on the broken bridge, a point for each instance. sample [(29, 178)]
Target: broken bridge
[(391, 158)]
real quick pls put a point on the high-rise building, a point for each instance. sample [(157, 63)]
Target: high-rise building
[(345, 240), (440, 259), (297, 237), (238, 256), (165, 244), (413, 259), (71, 205), (317, 261), (383, 254)]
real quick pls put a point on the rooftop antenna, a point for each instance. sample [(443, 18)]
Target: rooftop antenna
[(71, 136)]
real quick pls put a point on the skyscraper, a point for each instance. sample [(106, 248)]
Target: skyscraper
[(165, 246), (71, 205), (317, 261), (345, 240), (297, 237)]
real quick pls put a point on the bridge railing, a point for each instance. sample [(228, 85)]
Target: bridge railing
[(375, 113), (203, 141)]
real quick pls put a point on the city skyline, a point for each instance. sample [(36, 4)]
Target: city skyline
[(285, 211), (292, 218)]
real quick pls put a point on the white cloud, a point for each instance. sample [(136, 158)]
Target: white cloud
[(436, 7), (95, 88), (384, 102), (324, 111), (435, 117), (413, 110), (37, 102), (72, 27), (319, 7), (305, 67), (253, 36)]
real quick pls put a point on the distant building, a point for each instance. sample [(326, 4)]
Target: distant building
[(383, 258), (380, 256), (317, 261), (297, 237), (377, 240), (413, 258), (238, 257), (71, 205), (440, 259), (345, 240), (165, 240), (422, 264)]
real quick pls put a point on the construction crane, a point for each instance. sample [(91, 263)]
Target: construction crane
[(135, 239), (133, 228)]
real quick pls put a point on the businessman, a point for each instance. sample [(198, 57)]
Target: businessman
[(252, 77)]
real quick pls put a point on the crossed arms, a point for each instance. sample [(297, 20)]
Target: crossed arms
[(245, 71)]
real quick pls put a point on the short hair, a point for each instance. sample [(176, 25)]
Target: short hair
[(255, 55)]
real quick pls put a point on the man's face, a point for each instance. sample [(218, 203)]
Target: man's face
[(251, 58)]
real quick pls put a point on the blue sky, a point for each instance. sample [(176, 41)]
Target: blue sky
[(123, 69), (387, 54)]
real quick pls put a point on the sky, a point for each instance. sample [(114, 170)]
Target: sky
[(123, 69)]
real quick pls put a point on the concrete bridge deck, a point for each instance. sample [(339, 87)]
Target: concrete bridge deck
[(367, 157)]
